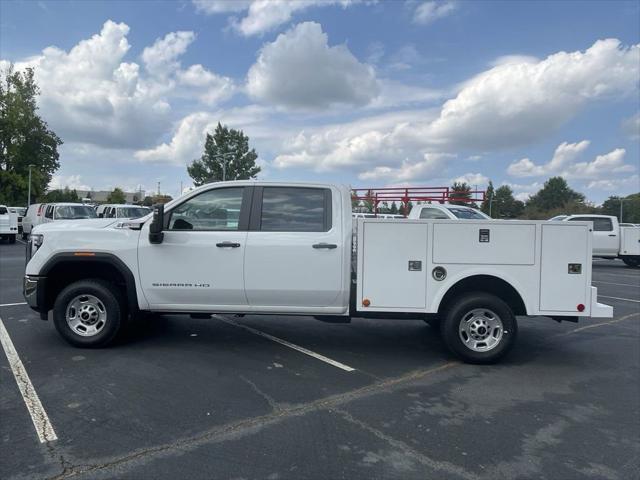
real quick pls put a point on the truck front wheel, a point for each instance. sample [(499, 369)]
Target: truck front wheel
[(631, 261), (89, 313), (479, 328)]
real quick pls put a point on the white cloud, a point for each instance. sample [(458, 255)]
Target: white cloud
[(517, 103), (90, 95), (631, 126), (73, 182), (209, 87), (407, 171), (300, 70), (263, 15), (565, 154), (507, 106), (522, 192), (472, 179), (161, 58), (564, 163), (428, 12), (614, 185), (189, 134)]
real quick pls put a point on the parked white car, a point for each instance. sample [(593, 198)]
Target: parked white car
[(610, 240), (122, 211), (443, 211), (67, 211), (8, 224), (286, 249), (32, 218)]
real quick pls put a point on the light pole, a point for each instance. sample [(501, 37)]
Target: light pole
[(621, 202), (29, 195), (224, 162)]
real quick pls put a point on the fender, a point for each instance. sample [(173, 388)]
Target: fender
[(97, 258)]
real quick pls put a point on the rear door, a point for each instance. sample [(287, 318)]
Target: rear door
[(606, 241), (294, 249)]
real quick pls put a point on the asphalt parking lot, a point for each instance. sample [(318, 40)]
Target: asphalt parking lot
[(232, 398)]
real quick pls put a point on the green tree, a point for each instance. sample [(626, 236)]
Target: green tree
[(24, 139), (630, 208), (459, 192), (555, 193), (487, 205), (393, 209), (61, 195), (504, 205), (226, 154), (117, 196)]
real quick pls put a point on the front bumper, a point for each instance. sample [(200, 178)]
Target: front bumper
[(34, 291)]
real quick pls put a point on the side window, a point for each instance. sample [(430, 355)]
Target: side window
[(111, 212), (599, 224), (433, 213), (217, 209), (296, 209), (49, 212)]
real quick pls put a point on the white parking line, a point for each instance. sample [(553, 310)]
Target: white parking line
[(21, 241), (38, 415), (12, 304), (322, 358), (618, 298), (621, 284)]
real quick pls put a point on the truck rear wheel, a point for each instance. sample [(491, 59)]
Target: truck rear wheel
[(479, 328), (89, 313), (631, 261), (12, 239)]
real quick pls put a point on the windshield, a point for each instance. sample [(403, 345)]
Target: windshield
[(132, 212), (74, 212), (3, 210), (468, 213)]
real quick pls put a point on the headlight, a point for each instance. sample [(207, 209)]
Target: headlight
[(36, 241)]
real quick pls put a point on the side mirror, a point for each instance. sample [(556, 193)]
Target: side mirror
[(157, 224)]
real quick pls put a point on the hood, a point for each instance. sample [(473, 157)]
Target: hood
[(83, 224)]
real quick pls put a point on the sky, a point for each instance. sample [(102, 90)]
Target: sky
[(363, 92)]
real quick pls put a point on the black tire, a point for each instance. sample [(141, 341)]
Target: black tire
[(486, 305), (110, 301), (12, 239), (631, 261)]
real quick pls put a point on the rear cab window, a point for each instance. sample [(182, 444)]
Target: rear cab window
[(294, 209), (467, 213), (433, 213)]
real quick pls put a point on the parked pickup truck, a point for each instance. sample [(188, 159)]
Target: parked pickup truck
[(286, 249), (610, 240), (8, 224)]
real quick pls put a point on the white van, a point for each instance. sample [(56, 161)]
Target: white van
[(33, 217)]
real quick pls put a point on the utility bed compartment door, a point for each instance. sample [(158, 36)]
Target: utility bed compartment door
[(393, 265), (484, 243), (629, 240), (564, 244)]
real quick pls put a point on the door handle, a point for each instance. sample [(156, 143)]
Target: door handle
[(612, 234), (328, 246), (227, 245)]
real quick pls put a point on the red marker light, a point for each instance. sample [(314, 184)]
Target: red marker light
[(580, 307)]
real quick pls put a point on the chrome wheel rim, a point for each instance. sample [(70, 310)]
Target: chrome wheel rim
[(481, 330), (86, 315)]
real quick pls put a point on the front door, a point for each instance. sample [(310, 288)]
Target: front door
[(295, 249), (199, 264)]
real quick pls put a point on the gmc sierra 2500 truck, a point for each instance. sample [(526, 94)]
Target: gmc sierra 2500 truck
[(286, 248)]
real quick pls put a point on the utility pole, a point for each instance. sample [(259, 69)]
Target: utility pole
[(158, 188), (621, 202), (29, 199), (490, 203)]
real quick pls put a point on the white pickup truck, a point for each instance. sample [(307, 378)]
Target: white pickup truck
[(610, 240), (286, 249), (8, 224)]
